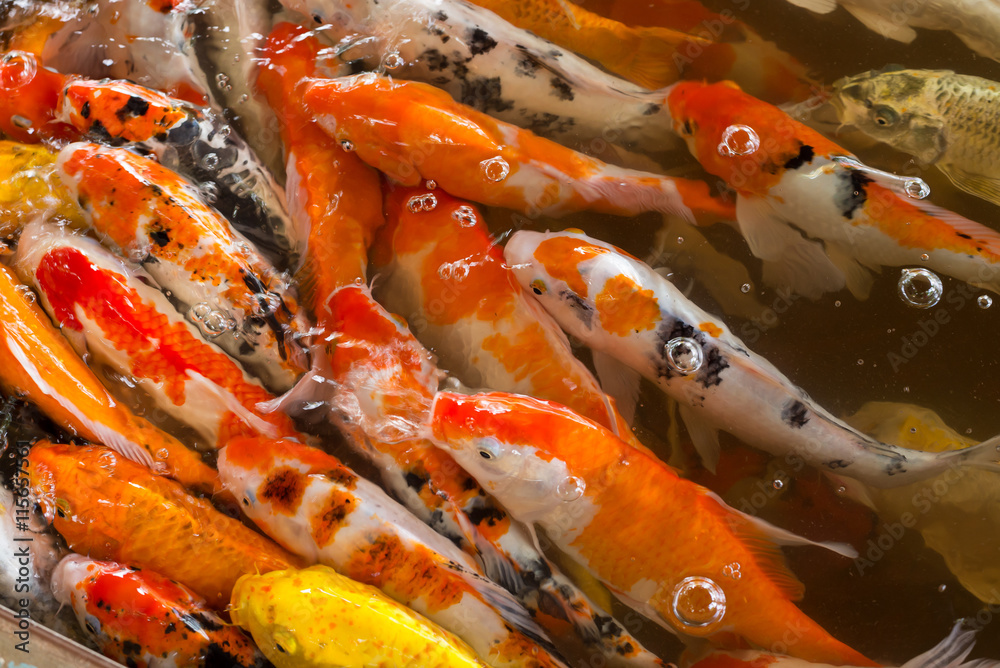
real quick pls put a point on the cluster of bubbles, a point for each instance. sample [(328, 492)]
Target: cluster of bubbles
[(222, 81), (920, 288), (393, 61), (454, 271), (212, 322), (264, 304), (421, 203), (465, 215), (684, 355)]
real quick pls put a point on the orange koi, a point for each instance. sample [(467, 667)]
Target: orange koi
[(413, 131), (612, 507), (142, 619), (112, 509), (336, 196), (225, 286), (318, 508), (847, 217), (38, 363), (115, 314)]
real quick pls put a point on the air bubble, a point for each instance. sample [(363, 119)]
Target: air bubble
[(571, 488), (265, 304), (430, 184), (942, 588), (861, 362), (454, 271), (745, 288), (920, 288), (200, 310), (732, 570), (916, 188), (924, 257), (393, 61), (162, 454), (19, 68), (778, 483), (698, 602), (27, 293), (495, 169), (738, 140), (465, 215), (347, 145), (217, 323), (837, 303), (684, 355), (210, 161), (222, 81), (139, 253), (680, 240), (209, 192), (984, 301), (420, 203), (244, 98)]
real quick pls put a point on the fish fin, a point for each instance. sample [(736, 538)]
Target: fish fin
[(796, 263), (314, 388), (704, 436), (653, 63), (975, 184), (986, 237), (570, 14), (950, 652), (985, 455), (496, 565), (233, 405), (883, 25), (591, 587), (859, 279), (817, 6), (619, 381)]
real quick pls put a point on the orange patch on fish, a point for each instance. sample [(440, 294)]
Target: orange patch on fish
[(123, 109), (711, 329), (283, 489), (324, 524), (624, 308), (561, 257)]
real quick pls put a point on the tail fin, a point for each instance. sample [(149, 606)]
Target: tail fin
[(951, 652), (985, 455)]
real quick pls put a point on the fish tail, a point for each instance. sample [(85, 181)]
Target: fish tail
[(985, 455), (654, 60)]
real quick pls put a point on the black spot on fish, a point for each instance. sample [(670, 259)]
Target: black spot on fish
[(129, 647), (85, 109), (415, 482), (583, 310), (795, 414), (184, 133), (436, 61), (156, 190), (160, 237), (460, 70), (561, 89), (440, 16), (484, 94), (805, 156), (535, 572), (963, 235), (480, 42), (624, 649), (526, 66), (255, 285), (488, 514), (99, 132), (170, 628), (710, 373), (651, 109), (852, 192), (836, 464), (545, 123), (136, 106), (469, 484)]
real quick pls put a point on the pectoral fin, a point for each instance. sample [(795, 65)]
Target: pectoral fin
[(985, 187), (818, 6), (883, 25), (704, 436), (619, 381)]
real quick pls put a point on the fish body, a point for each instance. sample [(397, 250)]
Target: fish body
[(142, 619), (109, 508), (939, 117), (318, 508), (665, 546), (28, 185), (818, 217), (112, 312), (155, 217), (317, 618), (413, 131), (36, 362), (619, 306), (487, 63), (975, 22)]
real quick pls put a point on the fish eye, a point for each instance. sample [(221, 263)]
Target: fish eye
[(488, 448), (538, 287), (688, 127), (246, 500), (62, 508), (884, 116)]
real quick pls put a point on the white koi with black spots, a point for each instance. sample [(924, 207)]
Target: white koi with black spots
[(619, 306)]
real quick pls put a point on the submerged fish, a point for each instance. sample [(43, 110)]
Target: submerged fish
[(818, 217), (317, 618), (413, 131), (485, 62), (110, 508), (216, 277), (29, 187), (621, 307), (975, 22), (318, 508), (668, 547), (939, 117), (36, 362), (142, 619), (112, 312)]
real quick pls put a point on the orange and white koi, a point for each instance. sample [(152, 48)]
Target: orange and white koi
[(668, 547), (811, 210), (195, 141), (36, 362), (109, 508), (212, 273), (621, 307), (413, 131), (140, 618), (111, 311), (318, 508)]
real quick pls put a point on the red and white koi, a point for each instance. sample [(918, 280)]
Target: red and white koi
[(621, 307)]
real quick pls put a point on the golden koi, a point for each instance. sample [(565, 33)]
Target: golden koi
[(29, 186)]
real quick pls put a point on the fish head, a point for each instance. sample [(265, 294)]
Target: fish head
[(511, 445), (893, 107), (29, 98), (257, 605), (72, 584)]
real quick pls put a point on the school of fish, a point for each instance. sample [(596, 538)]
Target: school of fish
[(331, 334)]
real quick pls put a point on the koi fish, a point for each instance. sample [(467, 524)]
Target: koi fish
[(413, 131), (975, 23), (818, 217), (317, 618), (36, 362), (939, 117), (213, 274), (486, 63), (379, 382), (109, 508), (949, 653), (318, 508), (114, 313), (142, 619), (194, 141), (621, 307), (29, 186), (669, 548), (330, 191)]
